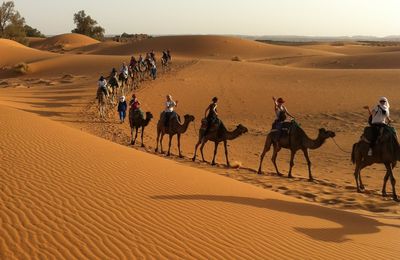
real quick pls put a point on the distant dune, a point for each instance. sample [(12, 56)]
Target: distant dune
[(213, 47), (64, 42), (13, 53)]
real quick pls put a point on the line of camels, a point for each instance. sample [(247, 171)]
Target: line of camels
[(386, 152)]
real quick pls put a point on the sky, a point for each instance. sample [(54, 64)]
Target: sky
[(240, 17)]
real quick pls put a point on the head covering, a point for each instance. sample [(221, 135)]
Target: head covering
[(169, 96), (385, 104), (122, 98), (101, 78), (280, 100)]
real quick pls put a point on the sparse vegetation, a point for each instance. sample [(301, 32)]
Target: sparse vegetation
[(126, 37), (87, 26), (21, 68), (12, 24), (236, 58)]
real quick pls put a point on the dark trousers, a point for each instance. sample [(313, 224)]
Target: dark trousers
[(122, 115)]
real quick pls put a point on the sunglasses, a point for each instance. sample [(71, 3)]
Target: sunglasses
[(382, 101)]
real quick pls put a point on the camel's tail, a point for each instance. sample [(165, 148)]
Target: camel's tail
[(353, 154)]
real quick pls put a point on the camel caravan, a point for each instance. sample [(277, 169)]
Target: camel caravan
[(378, 143), (128, 79)]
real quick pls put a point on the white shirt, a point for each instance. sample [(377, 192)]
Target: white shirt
[(169, 106), (102, 83), (378, 117)]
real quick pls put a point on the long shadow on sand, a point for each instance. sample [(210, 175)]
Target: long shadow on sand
[(351, 223)]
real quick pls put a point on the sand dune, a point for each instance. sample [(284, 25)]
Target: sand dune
[(384, 60), (63, 42), (214, 47), (82, 197), (13, 53)]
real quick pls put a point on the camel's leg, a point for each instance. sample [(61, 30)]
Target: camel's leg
[(141, 135), (387, 175), (265, 150), (132, 142), (215, 152), (392, 181), (136, 133), (195, 150), (361, 184), (161, 142), (203, 142), (179, 145), (274, 156), (158, 139), (310, 177), (292, 154), (226, 153), (169, 145), (357, 172)]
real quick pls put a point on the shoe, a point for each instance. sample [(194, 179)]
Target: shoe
[(370, 152)]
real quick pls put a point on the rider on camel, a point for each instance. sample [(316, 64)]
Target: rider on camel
[(102, 85), (125, 70), (170, 104), (379, 118), (212, 116), (281, 114)]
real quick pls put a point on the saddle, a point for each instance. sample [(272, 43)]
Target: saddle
[(137, 115), (167, 121), (375, 134), (214, 125), (285, 127)]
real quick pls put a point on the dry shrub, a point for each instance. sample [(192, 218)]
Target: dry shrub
[(236, 58), (21, 68)]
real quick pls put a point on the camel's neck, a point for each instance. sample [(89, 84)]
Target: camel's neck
[(146, 121), (314, 143), (233, 135), (184, 127)]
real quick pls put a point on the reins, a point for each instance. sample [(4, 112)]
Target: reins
[(338, 146)]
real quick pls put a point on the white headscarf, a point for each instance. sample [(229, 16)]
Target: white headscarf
[(384, 106), (122, 98)]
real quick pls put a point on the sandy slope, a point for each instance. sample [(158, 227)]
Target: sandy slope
[(82, 197), (13, 53), (66, 41)]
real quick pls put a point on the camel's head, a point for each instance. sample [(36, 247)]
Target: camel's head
[(242, 129), (326, 133), (149, 115), (189, 118)]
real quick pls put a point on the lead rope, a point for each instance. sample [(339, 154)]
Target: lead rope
[(338, 146)]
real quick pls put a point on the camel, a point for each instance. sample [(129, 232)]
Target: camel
[(101, 103), (385, 152), (138, 122), (294, 141), (123, 81), (174, 128), (217, 135)]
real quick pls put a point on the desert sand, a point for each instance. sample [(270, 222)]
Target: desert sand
[(72, 187)]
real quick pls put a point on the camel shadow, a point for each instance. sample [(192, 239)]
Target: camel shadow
[(351, 223)]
